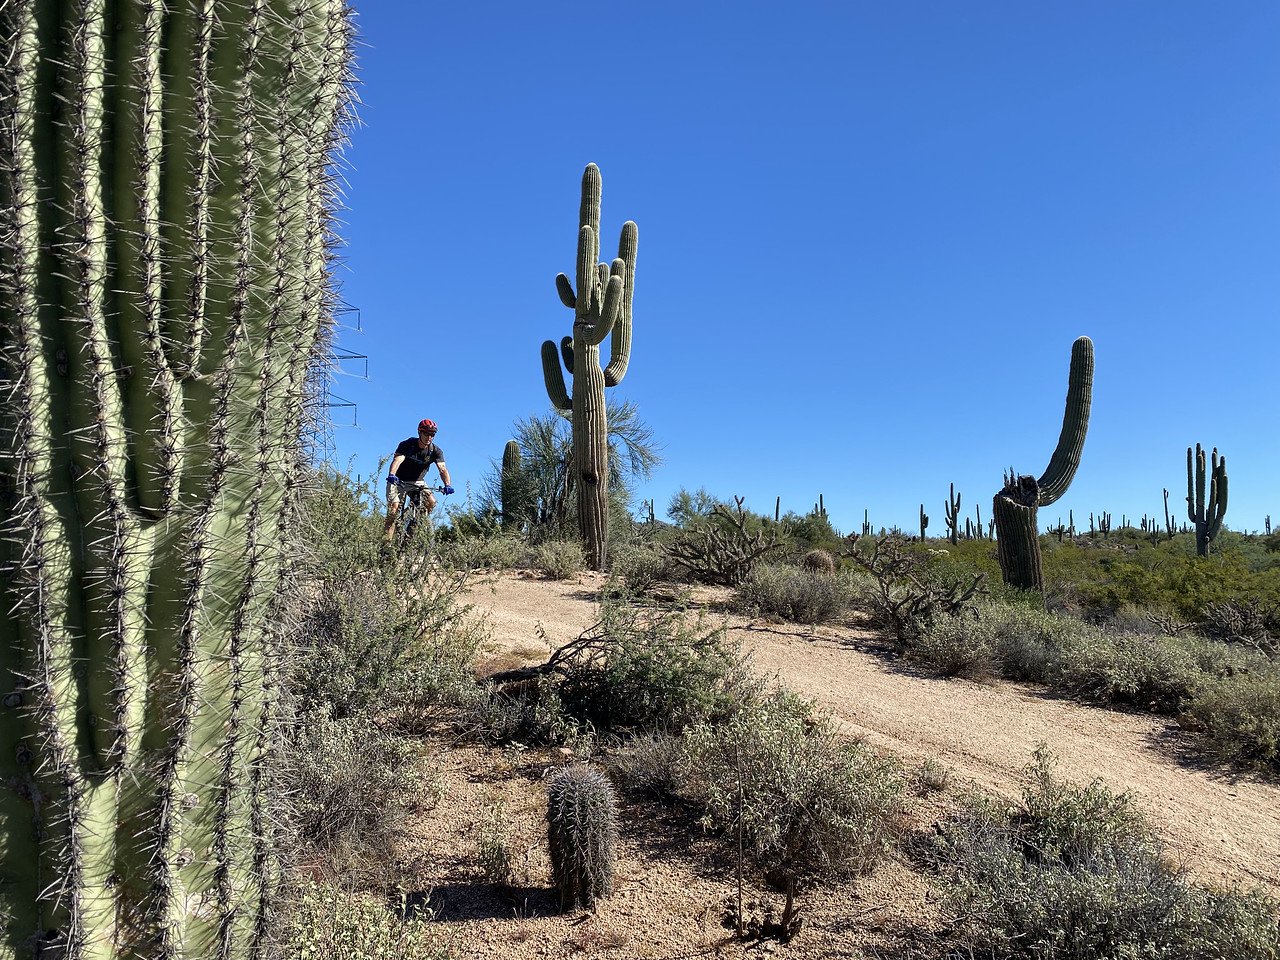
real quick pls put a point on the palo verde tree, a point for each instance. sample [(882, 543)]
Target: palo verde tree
[(601, 306), (166, 170), (1015, 506)]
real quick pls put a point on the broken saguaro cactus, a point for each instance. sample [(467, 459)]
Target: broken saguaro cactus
[(166, 168), (601, 306), (1014, 507), (1206, 516)]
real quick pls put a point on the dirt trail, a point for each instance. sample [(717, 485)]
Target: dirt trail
[(1223, 826)]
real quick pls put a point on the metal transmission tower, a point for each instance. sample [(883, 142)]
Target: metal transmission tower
[(317, 430)]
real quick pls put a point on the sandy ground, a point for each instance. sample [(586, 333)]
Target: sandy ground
[(1222, 826)]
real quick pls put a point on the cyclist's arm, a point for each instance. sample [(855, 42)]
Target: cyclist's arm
[(395, 465), (444, 473)]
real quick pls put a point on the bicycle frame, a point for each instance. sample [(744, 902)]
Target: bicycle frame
[(410, 505)]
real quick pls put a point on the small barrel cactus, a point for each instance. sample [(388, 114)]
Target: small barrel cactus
[(819, 561), (582, 835)]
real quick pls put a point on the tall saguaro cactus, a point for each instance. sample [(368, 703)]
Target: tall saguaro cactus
[(1014, 507), (601, 305), (1206, 517), (165, 238)]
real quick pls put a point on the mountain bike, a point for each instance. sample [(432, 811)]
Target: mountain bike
[(411, 512)]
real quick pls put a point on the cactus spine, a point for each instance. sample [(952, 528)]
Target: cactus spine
[(1014, 507), (168, 198), (601, 305), (1206, 516), (582, 836)]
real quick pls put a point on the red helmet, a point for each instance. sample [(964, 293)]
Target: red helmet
[(428, 426)]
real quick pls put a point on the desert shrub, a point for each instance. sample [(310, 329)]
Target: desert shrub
[(556, 559), (644, 669), (810, 802), (481, 551), (794, 594), (638, 668), (1239, 716), (371, 640), (493, 845), (960, 646), (1249, 621), (640, 566), (349, 779), (653, 764), (1076, 873), (326, 922)]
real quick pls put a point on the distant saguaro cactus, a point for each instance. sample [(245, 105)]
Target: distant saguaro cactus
[(1014, 507), (166, 211), (952, 515), (924, 521), (514, 488), (1206, 516), (601, 305), (582, 836)]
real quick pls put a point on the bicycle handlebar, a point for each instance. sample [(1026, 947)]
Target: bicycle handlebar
[(421, 485)]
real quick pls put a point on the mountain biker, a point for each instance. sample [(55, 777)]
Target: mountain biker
[(412, 459)]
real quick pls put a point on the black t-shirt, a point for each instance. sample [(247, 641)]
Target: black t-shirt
[(416, 460)]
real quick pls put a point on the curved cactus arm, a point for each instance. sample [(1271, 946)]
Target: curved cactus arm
[(565, 289), (596, 332), (566, 351), (1195, 480), (1217, 508), (620, 345), (1075, 424), (554, 378)]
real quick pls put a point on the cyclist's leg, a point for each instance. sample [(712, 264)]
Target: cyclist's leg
[(394, 499)]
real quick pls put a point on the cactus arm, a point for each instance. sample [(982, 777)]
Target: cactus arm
[(589, 213), (566, 353), (1191, 491), (565, 289), (596, 333), (553, 377), (1218, 501), (620, 345), (1075, 424), (586, 275)]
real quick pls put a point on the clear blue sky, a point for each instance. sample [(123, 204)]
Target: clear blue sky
[(869, 233)]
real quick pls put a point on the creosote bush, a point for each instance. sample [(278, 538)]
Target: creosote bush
[(1075, 873), (557, 559), (323, 921), (800, 595)]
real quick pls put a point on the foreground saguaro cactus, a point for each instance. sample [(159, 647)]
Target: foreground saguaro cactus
[(1015, 506), (582, 836), (1206, 517), (513, 487), (166, 172), (601, 305)]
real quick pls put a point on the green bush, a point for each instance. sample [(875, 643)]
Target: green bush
[(556, 559), (1240, 716), (349, 780), (326, 922), (639, 567), (645, 669), (794, 594), (1076, 873), (810, 802)]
